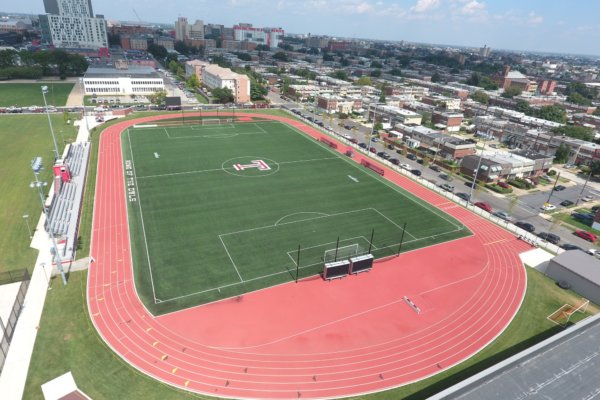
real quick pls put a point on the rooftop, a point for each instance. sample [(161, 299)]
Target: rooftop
[(112, 72), (581, 264)]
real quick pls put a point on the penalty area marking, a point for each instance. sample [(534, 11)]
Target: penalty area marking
[(353, 178)]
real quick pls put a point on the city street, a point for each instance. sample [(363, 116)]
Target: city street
[(527, 208)]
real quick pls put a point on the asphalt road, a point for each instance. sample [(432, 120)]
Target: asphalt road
[(527, 208)]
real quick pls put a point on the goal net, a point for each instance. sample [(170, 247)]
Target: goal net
[(211, 121), (343, 253)]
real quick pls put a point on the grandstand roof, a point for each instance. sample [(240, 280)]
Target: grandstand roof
[(563, 367)]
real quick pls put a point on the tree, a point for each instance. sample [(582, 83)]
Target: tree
[(192, 82), (223, 95), (562, 154), (595, 167), (158, 51), (281, 56), (262, 47), (173, 66), (376, 73), (511, 92), (377, 126), (363, 81), (474, 80), (244, 56), (576, 132), (553, 113), (376, 64), (481, 97), (524, 107), (576, 98), (158, 98), (339, 74), (436, 77), (396, 72)]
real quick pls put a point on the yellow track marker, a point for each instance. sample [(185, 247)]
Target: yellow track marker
[(164, 357), (174, 370)]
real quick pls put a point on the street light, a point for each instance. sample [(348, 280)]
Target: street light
[(44, 91), (43, 265), (26, 218), (36, 166)]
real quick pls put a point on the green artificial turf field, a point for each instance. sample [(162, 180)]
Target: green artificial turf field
[(220, 210), (30, 94)]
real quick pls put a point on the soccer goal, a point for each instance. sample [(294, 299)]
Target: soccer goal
[(211, 121), (562, 316), (343, 253)]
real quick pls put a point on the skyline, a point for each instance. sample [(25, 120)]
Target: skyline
[(555, 26)]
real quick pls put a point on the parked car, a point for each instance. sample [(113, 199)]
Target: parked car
[(566, 203), (395, 161), (420, 161), (587, 198), (353, 140), (386, 156), (373, 150), (525, 226), (549, 237), (363, 145), (590, 237), (411, 156), (568, 246), (504, 185), (374, 139), (447, 186), (502, 215), (380, 154), (585, 218), (405, 166), (464, 196), (415, 172), (548, 207), (559, 188), (435, 168), (446, 177), (483, 205), (390, 147)]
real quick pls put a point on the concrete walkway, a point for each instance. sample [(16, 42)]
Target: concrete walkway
[(76, 96)]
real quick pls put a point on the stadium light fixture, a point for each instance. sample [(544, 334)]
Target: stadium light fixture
[(36, 166), (44, 92)]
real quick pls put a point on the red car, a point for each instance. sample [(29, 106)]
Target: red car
[(590, 237), (484, 206), (373, 150), (504, 185)]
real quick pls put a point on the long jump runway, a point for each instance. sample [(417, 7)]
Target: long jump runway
[(313, 339)]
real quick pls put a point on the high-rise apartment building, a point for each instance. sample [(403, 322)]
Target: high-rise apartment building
[(197, 30), (182, 28), (72, 24), (266, 36)]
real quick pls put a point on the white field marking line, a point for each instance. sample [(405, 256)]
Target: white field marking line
[(298, 213), (231, 259), (259, 127), (392, 222), (141, 216), (221, 169), (167, 132), (311, 265), (389, 184), (314, 328), (289, 253), (292, 222)]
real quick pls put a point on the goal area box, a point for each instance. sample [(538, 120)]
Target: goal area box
[(361, 264), (336, 270)]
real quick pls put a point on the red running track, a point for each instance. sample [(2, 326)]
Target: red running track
[(312, 339)]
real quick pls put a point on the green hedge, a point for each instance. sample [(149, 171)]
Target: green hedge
[(520, 183), (498, 189)]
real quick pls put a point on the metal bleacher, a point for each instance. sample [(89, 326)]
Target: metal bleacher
[(64, 209)]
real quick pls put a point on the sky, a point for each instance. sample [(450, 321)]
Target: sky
[(561, 26)]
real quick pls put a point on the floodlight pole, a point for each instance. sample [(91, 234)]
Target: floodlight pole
[(36, 183), (401, 239), (584, 186), (336, 249), (56, 153), (554, 187), (297, 263), (371, 241)]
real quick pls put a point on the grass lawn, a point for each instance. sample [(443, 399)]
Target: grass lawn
[(245, 224), (202, 99), (67, 341), (575, 224), (30, 94), (23, 137)]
